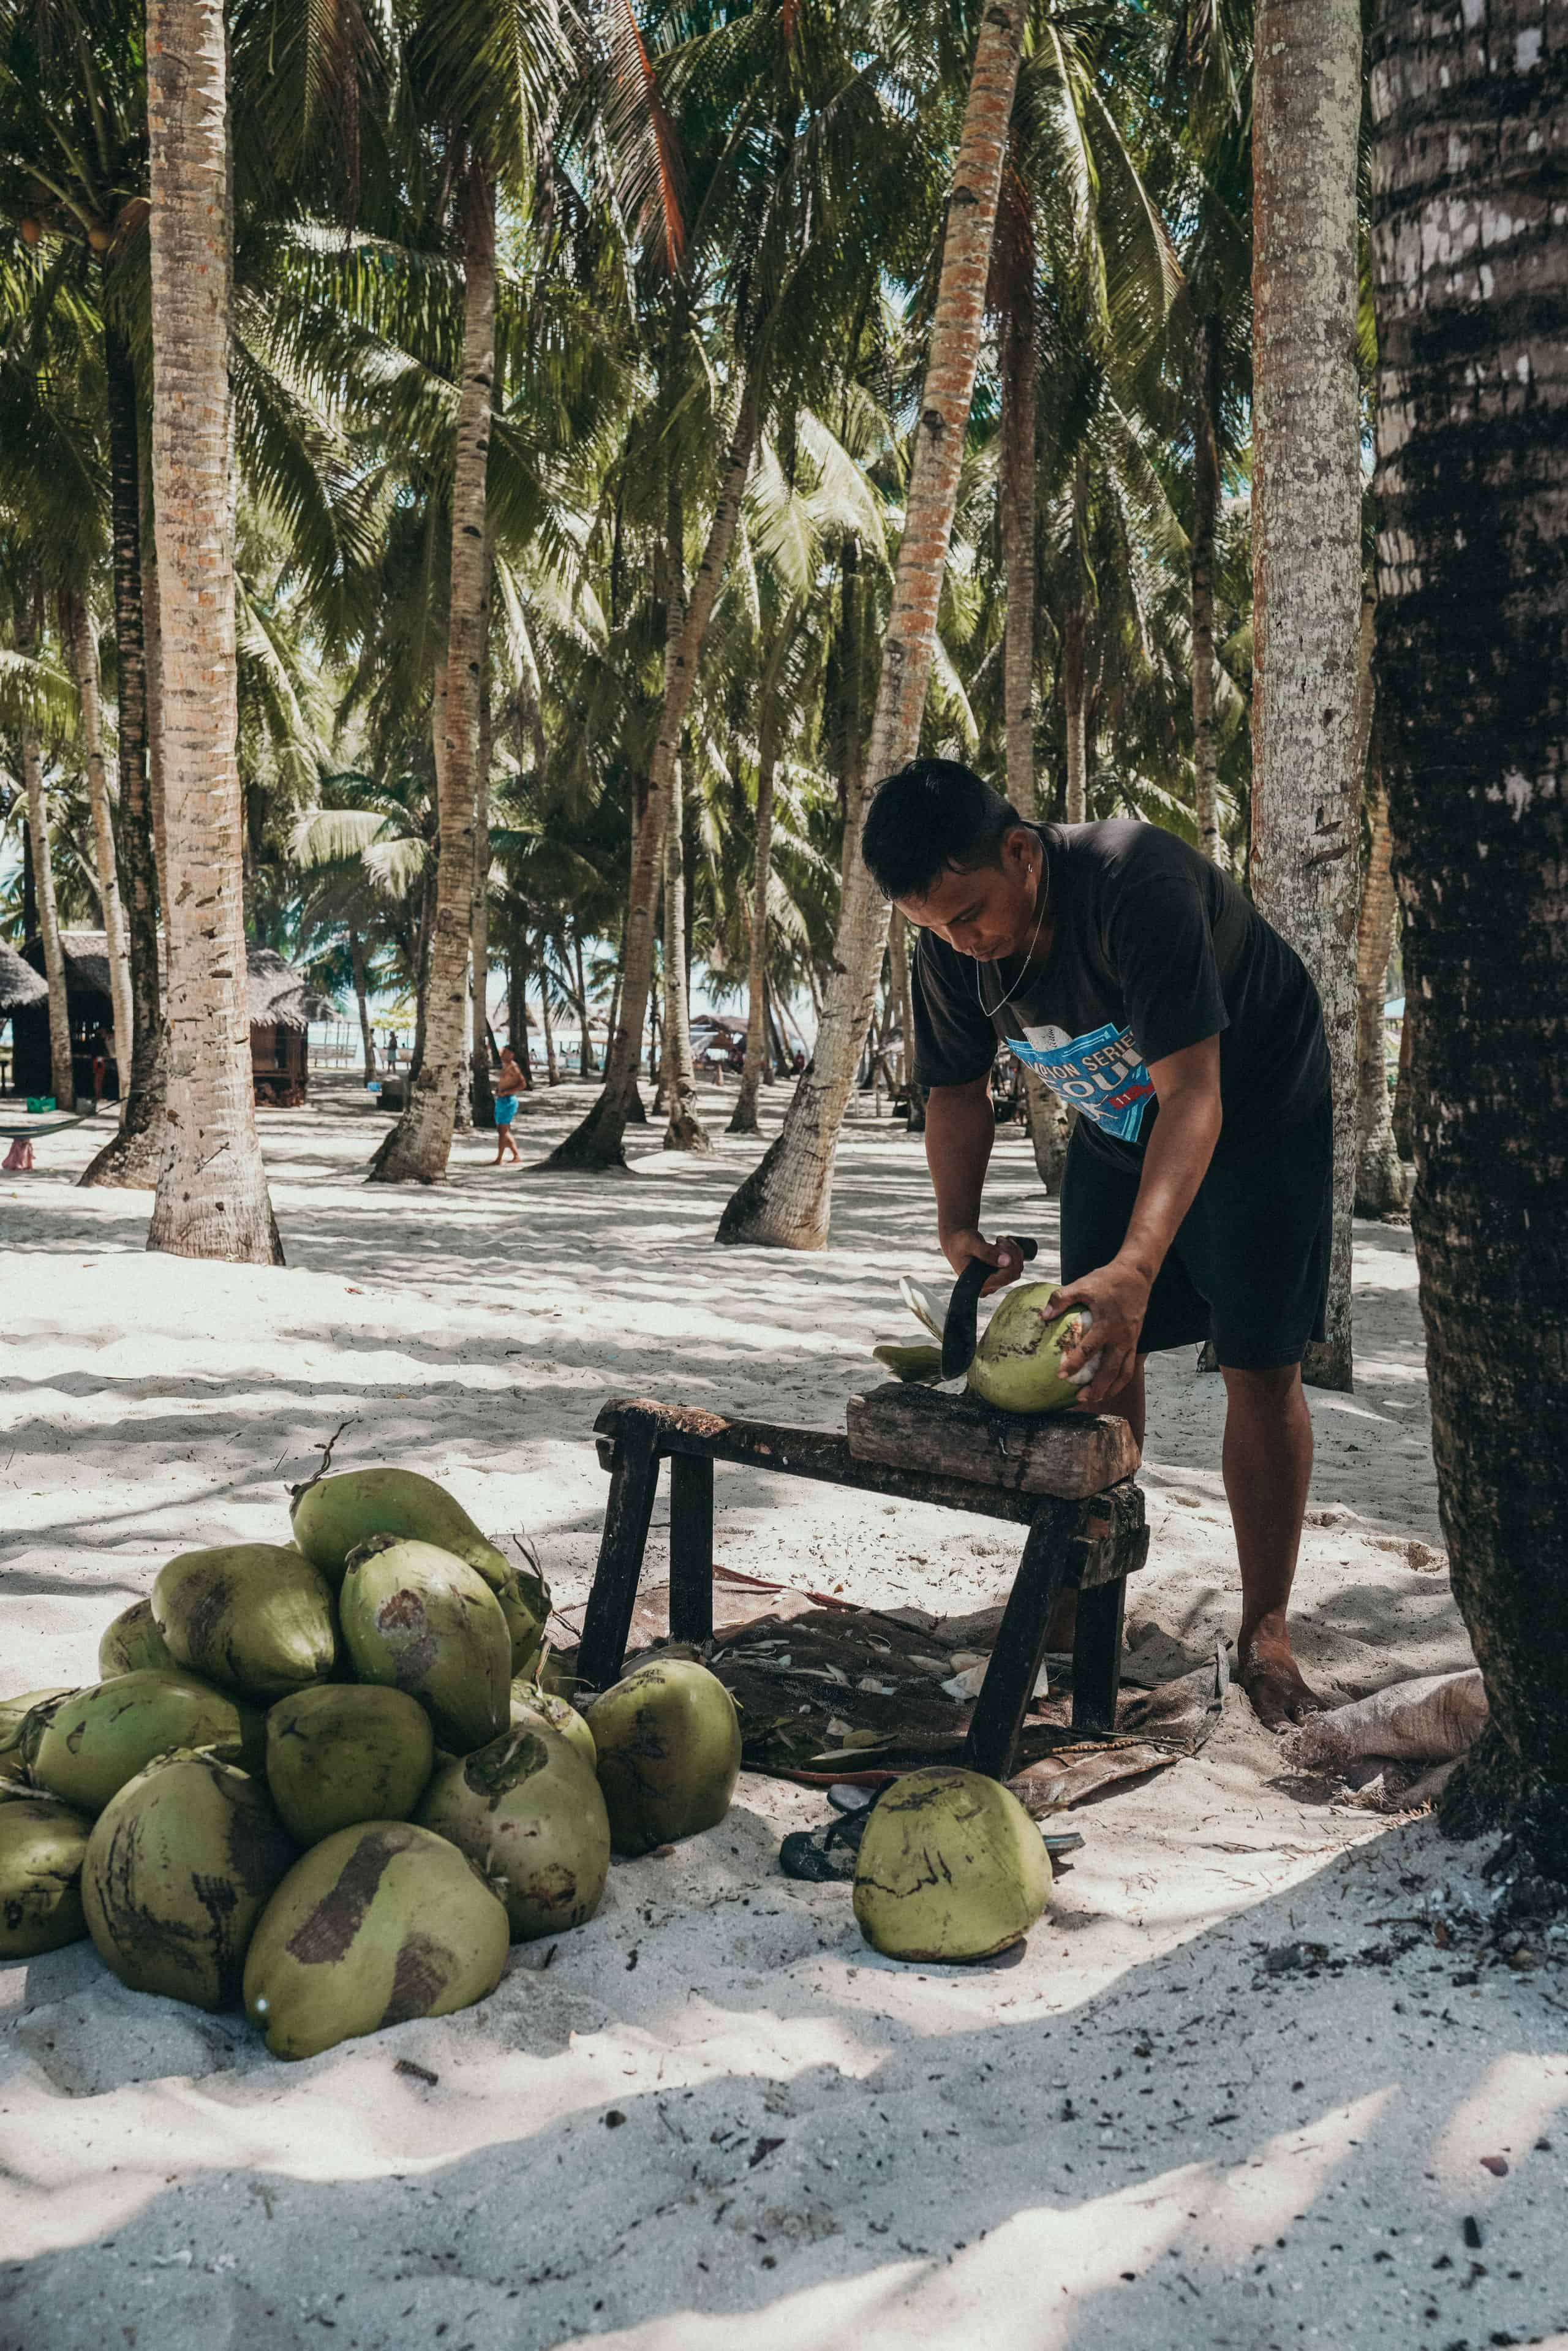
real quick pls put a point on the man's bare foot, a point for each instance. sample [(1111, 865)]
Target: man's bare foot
[(1267, 1672)]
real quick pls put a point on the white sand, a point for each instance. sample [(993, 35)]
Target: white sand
[(715, 2119)]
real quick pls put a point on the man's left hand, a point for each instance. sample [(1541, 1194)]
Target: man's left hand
[(1118, 1296)]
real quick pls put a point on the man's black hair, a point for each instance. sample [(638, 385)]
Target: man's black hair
[(935, 816)]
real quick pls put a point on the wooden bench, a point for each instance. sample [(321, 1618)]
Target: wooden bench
[(1069, 1480)]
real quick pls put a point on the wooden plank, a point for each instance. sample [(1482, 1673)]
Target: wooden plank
[(1065, 1454), (817, 1453)]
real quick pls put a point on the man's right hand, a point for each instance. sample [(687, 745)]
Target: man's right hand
[(968, 1242)]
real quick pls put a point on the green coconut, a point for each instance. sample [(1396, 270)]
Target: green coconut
[(914, 1360), (133, 1642), (527, 1810), (255, 1618), (668, 1743), (1017, 1364), (525, 1625), (416, 1618), (178, 1868), (43, 1843), (380, 1923), (13, 1713), (950, 1867), (341, 1753), (83, 1748), (531, 1703)]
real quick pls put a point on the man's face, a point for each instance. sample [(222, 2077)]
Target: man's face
[(988, 914)]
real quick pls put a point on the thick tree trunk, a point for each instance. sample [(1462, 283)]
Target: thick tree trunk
[(62, 1078), (77, 624), (786, 1202), (132, 1157), (1470, 249), (1381, 1187), (755, 1069), (1206, 487), (1306, 545), (598, 1141), (418, 1147), (212, 1197), (153, 639)]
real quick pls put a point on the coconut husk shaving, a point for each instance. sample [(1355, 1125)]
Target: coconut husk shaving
[(828, 1691)]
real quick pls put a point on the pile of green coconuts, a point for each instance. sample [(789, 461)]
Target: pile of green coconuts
[(335, 1779)]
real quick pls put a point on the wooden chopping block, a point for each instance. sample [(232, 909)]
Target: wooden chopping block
[(1065, 1454)]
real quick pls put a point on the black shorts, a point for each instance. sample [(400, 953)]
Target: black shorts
[(1250, 1265)]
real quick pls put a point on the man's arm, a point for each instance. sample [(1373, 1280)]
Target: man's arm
[(1180, 1148), (959, 1131)]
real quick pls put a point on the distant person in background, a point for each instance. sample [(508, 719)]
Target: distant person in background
[(512, 1081), (105, 1057)]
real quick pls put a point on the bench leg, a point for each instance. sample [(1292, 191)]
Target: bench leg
[(607, 1625), (1016, 1659), (691, 1547), (1097, 1656)]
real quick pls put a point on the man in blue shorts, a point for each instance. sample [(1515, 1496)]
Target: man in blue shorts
[(1152, 997)]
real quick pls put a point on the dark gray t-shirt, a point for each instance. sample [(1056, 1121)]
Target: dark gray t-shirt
[(1154, 949)]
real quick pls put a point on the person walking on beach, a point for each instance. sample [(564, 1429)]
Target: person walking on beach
[(1152, 997), (509, 1084)]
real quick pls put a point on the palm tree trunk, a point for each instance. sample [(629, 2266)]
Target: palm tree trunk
[(62, 1075), (785, 1202), (1206, 490), (153, 639), (598, 1141), (1016, 502), (212, 1197), (852, 747), (686, 1130), (585, 1059), (1075, 653), (131, 1158), (481, 1096), (754, 1069), (1380, 1189), (904, 997), (417, 1149), (363, 1000), (76, 625), (552, 1070), (1472, 617), (1306, 545)]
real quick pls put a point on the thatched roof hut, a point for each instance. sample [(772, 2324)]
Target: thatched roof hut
[(282, 1005), (20, 985)]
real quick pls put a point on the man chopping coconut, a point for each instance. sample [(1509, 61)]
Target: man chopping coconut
[(1154, 1000)]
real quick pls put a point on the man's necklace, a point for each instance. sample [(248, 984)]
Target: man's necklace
[(991, 1010)]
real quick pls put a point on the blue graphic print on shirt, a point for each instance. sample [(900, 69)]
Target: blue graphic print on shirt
[(1100, 1073)]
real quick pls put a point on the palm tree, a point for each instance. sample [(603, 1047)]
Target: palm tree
[(1306, 508), (78, 631), (785, 1201), (1472, 648), (212, 1197)]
